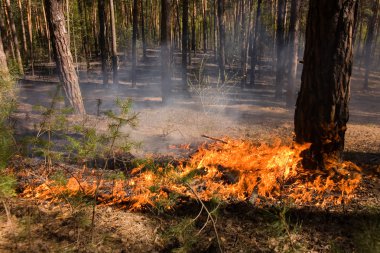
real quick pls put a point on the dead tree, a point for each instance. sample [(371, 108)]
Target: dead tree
[(322, 104), (62, 54)]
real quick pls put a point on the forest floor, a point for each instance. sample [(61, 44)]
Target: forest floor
[(38, 226)]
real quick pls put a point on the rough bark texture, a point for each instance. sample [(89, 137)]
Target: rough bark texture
[(4, 71), (185, 38), (134, 39), (63, 57), (280, 46), (165, 50), (102, 39), (293, 51), (222, 37), (322, 105)]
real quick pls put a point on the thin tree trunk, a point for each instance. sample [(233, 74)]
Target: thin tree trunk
[(24, 41), (165, 50), (280, 46), (134, 38), (63, 57), (243, 38), (204, 9), (293, 51), (369, 42), (143, 30), (102, 39), (50, 51), (15, 36), (193, 30), (222, 36), (30, 33), (114, 46), (322, 104), (255, 41), (185, 38)]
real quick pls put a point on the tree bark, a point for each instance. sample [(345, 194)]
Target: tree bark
[(114, 46), (15, 36), (23, 31), (280, 46), (30, 33), (222, 37), (4, 71), (369, 41), (185, 39), (204, 10), (165, 50), (322, 105), (143, 37), (62, 54), (102, 39), (255, 41), (134, 39), (293, 51)]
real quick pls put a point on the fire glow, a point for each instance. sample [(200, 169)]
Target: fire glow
[(230, 170)]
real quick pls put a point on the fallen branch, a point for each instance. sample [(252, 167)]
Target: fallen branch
[(209, 216), (213, 138)]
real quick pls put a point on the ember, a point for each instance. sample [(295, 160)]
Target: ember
[(232, 170)]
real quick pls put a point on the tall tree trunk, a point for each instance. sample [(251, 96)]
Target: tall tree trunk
[(114, 46), (4, 71), (50, 51), (165, 50), (63, 57), (30, 33), (134, 39), (204, 9), (280, 47), (222, 38), (255, 41), (185, 39), (83, 24), (143, 29), (244, 43), (102, 39), (293, 51), (193, 30), (23, 31), (369, 41), (216, 29), (322, 104), (15, 36)]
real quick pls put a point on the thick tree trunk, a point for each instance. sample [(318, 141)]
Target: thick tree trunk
[(293, 51), (280, 47), (222, 38), (322, 105), (114, 45), (185, 38), (134, 39), (63, 57), (102, 39), (255, 41), (4, 71), (369, 41), (165, 50), (15, 36)]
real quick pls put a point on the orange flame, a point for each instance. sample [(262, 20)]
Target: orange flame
[(232, 170)]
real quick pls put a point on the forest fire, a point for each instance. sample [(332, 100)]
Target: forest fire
[(229, 170)]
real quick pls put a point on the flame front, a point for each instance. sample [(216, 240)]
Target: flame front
[(230, 170)]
